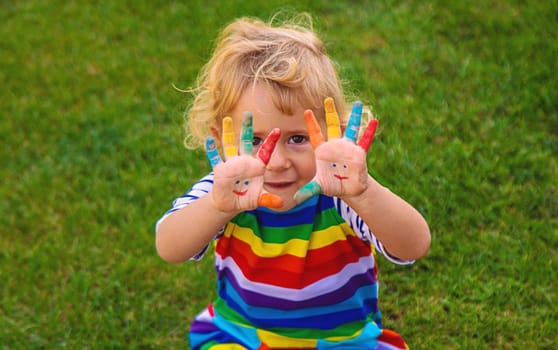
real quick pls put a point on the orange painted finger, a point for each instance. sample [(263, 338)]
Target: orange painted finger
[(270, 200), (314, 131)]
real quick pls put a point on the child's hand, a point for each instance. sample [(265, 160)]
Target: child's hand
[(238, 182), (341, 169)]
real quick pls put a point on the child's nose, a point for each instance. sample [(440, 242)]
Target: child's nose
[(279, 159)]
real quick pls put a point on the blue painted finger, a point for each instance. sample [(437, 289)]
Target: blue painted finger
[(211, 151), (353, 126)]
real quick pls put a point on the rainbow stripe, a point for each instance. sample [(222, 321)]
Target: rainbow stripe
[(300, 278)]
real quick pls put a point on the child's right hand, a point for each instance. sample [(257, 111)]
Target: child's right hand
[(238, 182)]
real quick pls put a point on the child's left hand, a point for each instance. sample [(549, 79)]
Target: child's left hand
[(341, 169)]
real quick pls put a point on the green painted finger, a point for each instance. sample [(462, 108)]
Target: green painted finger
[(247, 134), (307, 191)]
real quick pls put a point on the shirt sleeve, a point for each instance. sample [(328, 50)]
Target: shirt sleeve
[(363, 232), (198, 190)]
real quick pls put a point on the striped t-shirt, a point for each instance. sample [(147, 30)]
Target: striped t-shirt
[(303, 278)]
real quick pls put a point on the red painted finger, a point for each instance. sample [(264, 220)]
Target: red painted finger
[(266, 149), (314, 131), (368, 135)]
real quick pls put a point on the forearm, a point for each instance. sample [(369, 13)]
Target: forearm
[(401, 228), (187, 231)]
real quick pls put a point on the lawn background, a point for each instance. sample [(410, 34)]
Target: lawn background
[(91, 156)]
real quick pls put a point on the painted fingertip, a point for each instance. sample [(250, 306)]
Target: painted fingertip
[(314, 131), (212, 152), (266, 149), (270, 200), (247, 136), (368, 136), (332, 119), (329, 105), (353, 126), (307, 191), (229, 144), (247, 119)]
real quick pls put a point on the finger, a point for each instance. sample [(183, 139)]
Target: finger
[(229, 145), (368, 136), (270, 200), (211, 151), (314, 131), (266, 149), (247, 134), (351, 133), (332, 119), (307, 191)]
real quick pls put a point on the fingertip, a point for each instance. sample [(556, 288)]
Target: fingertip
[(329, 105), (211, 151), (314, 131), (307, 191), (369, 134), (357, 107), (275, 134), (309, 115), (270, 200)]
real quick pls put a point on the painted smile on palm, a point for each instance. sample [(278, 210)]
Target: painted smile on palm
[(241, 187), (342, 169)]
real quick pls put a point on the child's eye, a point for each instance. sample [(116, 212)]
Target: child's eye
[(256, 141), (297, 139)]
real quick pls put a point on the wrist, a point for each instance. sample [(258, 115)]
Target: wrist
[(372, 189), (219, 210)]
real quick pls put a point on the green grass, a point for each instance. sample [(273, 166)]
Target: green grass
[(91, 156)]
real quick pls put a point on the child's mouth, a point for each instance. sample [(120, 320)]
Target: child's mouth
[(278, 185)]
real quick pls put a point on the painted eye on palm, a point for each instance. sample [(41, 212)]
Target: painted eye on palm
[(241, 187), (341, 171)]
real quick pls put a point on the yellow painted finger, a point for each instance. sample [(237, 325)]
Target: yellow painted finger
[(332, 119), (229, 144)]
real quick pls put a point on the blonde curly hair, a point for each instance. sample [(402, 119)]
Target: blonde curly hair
[(288, 57)]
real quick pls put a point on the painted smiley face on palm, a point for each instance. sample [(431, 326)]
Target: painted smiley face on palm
[(241, 187), (340, 171)]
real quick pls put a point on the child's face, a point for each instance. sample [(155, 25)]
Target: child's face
[(292, 163)]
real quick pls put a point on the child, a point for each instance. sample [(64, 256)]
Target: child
[(295, 218)]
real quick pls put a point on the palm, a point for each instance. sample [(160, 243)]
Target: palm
[(341, 168), (238, 183)]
